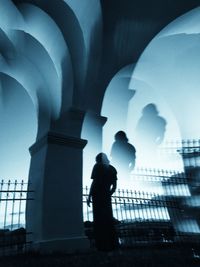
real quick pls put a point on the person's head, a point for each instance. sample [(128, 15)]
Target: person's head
[(150, 110), (121, 136), (102, 158)]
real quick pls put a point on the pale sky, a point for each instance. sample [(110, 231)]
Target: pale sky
[(17, 133)]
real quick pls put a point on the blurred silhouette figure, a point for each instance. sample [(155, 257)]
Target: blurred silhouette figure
[(103, 186), (123, 155), (150, 129)]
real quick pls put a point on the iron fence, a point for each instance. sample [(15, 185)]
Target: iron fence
[(189, 151), (13, 198), (172, 215), (166, 210)]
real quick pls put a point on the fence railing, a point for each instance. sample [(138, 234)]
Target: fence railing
[(185, 146), (189, 150), (168, 216), (166, 209), (13, 199)]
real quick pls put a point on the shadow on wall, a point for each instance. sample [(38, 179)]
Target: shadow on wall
[(150, 132), (123, 155)]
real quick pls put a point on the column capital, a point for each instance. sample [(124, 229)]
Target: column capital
[(97, 118), (57, 139)]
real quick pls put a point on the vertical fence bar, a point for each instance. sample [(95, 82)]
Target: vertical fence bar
[(1, 196), (20, 202), (129, 204), (120, 205), (85, 202), (6, 203), (13, 203), (133, 204), (1, 190), (116, 206), (124, 204)]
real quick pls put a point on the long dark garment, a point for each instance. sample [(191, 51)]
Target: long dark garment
[(104, 230)]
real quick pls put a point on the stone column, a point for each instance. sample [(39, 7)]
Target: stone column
[(55, 216), (92, 131)]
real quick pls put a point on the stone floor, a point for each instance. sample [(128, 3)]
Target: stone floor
[(137, 257)]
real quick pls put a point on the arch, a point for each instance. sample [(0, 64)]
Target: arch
[(170, 66), (143, 82), (20, 68), (90, 20), (28, 76), (78, 29), (42, 40), (115, 109), (73, 36), (34, 52), (44, 29), (115, 105), (166, 76), (6, 45), (114, 112), (10, 15)]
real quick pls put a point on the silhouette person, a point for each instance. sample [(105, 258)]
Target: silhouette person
[(150, 129), (104, 184), (123, 154)]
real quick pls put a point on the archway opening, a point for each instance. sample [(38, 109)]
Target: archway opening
[(18, 124), (167, 76), (165, 82)]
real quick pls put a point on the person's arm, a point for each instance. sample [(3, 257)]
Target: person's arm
[(93, 176), (89, 199), (132, 156), (114, 186)]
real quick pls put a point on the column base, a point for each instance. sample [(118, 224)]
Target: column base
[(65, 245)]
